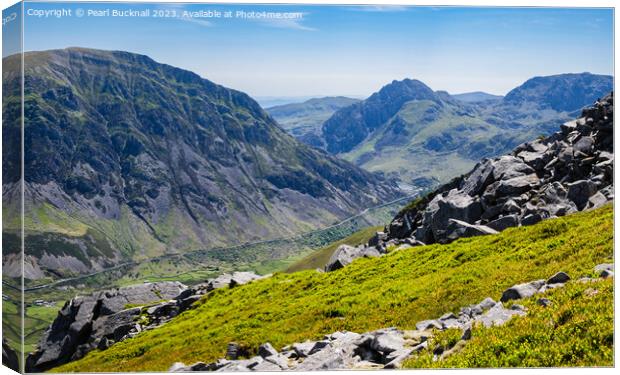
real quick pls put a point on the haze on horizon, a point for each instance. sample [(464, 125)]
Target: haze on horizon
[(347, 50)]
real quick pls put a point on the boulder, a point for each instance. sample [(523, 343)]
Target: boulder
[(597, 200), (584, 144), (536, 159), (377, 239), (531, 219), (522, 290), (569, 126), (303, 349), (328, 359), (338, 354), (486, 303), (504, 222), (497, 315), (599, 268), (270, 365), (115, 300), (580, 191), (454, 205), (240, 278), (229, 280), (479, 178), (458, 229), (507, 167), (511, 207), (116, 326), (219, 282), (266, 350), (397, 360), (466, 335), (606, 274), (177, 366), (428, 324), (517, 185), (278, 360), (559, 278), (346, 254), (387, 341), (234, 351)]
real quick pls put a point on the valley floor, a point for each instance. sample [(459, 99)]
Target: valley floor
[(399, 290)]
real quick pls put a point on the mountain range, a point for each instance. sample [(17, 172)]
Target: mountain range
[(130, 159), (476, 97), (425, 137), (304, 120)]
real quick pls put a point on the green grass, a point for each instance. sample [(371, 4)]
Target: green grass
[(575, 330), (398, 289), (401, 144), (319, 258), (37, 320)]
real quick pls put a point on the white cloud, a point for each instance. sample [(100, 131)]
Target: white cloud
[(381, 8), (290, 23), (197, 21)]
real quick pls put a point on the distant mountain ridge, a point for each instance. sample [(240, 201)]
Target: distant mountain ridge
[(129, 159), (423, 136), (562, 92), (350, 126), (304, 120), (476, 97)]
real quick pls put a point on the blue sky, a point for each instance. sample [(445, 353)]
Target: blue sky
[(347, 50)]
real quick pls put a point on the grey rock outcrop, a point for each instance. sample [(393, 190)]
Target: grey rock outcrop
[(346, 254), (383, 348), (522, 290), (228, 280), (566, 172), (99, 320), (85, 321)]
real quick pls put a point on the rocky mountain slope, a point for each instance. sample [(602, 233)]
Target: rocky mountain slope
[(567, 172), (388, 348), (422, 270), (570, 171), (128, 159), (562, 92), (101, 319), (409, 289), (427, 137), (304, 120)]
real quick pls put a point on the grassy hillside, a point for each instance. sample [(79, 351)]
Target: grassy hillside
[(575, 330), (399, 290), (319, 258), (430, 139)]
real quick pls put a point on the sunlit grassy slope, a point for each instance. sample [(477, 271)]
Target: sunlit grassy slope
[(319, 258), (575, 330), (398, 289)]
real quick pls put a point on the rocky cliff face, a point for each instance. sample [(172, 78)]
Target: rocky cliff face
[(96, 321), (570, 171), (129, 158), (101, 319)]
